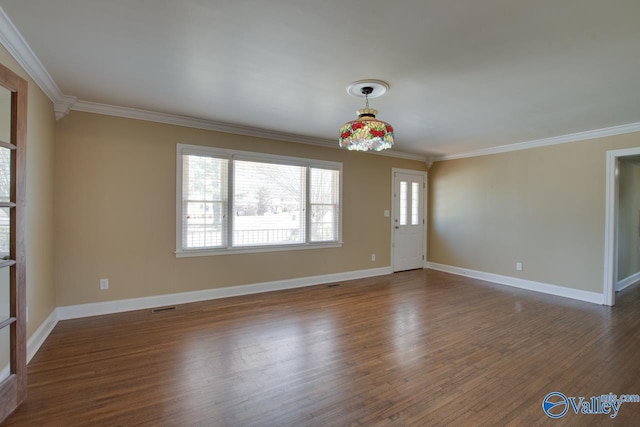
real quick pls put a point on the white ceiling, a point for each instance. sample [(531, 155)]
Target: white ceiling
[(465, 75)]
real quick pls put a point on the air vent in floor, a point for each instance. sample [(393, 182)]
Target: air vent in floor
[(163, 309)]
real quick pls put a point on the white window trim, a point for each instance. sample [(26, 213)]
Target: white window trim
[(231, 155)]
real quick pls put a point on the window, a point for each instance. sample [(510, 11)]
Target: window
[(403, 202), (413, 202), (232, 201)]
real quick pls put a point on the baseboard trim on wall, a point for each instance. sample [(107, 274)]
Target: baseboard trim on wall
[(118, 306), (37, 339), (530, 285), (625, 283), (40, 335)]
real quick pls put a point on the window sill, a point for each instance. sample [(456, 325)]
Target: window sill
[(254, 249)]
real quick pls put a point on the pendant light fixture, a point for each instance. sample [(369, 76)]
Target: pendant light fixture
[(366, 133)]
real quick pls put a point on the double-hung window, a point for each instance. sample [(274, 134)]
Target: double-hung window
[(234, 201)]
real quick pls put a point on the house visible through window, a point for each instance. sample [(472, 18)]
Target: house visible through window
[(230, 201)]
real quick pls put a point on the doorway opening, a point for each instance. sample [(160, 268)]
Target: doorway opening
[(611, 220)]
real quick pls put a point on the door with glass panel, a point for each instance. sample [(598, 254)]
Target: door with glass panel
[(13, 113), (408, 220)]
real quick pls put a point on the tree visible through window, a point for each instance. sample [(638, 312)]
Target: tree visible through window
[(237, 200), (324, 204), (268, 204)]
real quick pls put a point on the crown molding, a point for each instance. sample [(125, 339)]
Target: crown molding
[(401, 155), (63, 105), (173, 119), (16, 45), (562, 139)]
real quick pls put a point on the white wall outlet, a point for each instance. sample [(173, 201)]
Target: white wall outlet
[(104, 284), (518, 266), (386, 213), (373, 257)]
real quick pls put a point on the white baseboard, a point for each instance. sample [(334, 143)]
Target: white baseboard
[(625, 283), (530, 285), (95, 309), (41, 334), (36, 340), (118, 306)]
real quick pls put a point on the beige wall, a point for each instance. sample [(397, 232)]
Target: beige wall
[(115, 212), (39, 211), (544, 207), (628, 219)]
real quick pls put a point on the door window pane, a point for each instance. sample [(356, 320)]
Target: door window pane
[(5, 232), (415, 203), (5, 169), (5, 313), (5, 174), (5, 352), (403, 202), (5, 115), (4, 294)]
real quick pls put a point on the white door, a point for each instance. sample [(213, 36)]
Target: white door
[(408, 220)]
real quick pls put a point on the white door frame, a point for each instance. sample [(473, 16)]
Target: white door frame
[(611, 222), (393, 211)]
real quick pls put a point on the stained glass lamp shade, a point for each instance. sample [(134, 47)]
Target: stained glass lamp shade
[(366, 133)]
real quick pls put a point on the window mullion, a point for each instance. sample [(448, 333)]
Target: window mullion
[(307, 202), (230, 223), (184, 169)]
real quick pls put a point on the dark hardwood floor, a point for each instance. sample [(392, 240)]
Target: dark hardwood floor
[(415, 348)]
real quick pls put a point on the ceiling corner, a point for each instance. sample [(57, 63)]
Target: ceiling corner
[(17, 46)]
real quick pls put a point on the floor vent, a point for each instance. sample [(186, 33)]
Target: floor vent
[(333, 285), (163, 309)]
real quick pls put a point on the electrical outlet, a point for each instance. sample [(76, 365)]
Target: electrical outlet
[(518, 266), (373, 257), (104, 284)]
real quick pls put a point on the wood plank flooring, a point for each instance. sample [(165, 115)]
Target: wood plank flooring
[(415, 348)]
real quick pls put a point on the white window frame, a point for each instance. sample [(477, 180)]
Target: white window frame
[(232, 155)]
